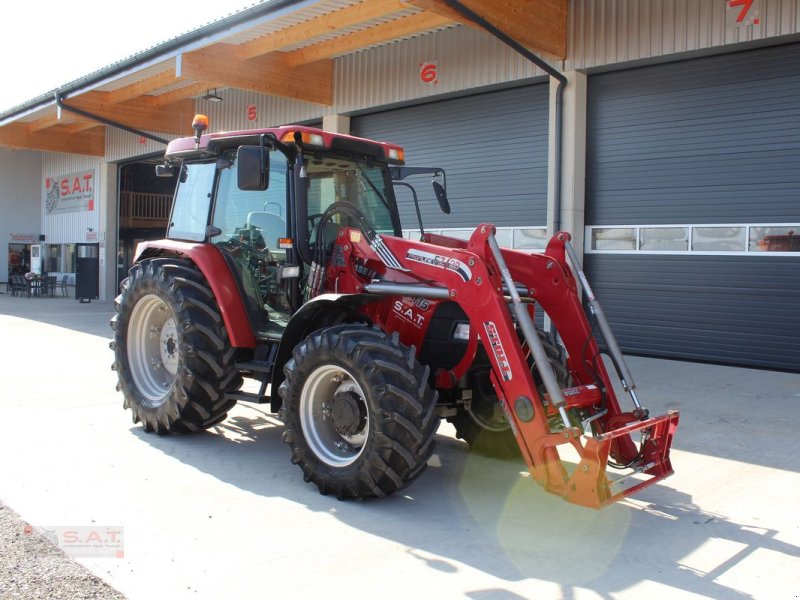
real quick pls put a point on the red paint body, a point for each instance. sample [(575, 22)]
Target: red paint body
[(470, 274), (209, 260), (464, 272)]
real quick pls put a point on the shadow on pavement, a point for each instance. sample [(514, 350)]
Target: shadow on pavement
[(90, 317), (496, 519)]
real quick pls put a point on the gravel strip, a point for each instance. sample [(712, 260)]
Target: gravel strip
[(32, 567)]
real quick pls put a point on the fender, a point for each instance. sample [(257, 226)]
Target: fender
[(322, 311), (211, 263)]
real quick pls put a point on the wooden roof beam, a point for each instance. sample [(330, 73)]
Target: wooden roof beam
[(321, 25), (367, 37), (269, 74), (139, 113), (53, 120), (539, 25), (16, 135), (145, 86), (188, 91)]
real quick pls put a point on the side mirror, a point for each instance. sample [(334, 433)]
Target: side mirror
[(165, 170), (441, 196), (253, 168)]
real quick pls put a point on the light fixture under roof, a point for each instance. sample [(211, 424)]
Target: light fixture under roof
[(212, 96)]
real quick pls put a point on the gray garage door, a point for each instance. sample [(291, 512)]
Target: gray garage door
[(693, 202), (493, 147)]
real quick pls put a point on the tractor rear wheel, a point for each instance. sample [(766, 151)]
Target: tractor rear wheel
[(484, 425), (172, 354), (360, 417)]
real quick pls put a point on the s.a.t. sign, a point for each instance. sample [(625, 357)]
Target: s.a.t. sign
[(70, 193)]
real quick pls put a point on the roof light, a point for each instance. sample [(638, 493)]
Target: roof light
[(309, 139), (395, 154), (199, 124)]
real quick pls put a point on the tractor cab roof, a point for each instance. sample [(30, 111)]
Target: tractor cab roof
[(213, 143)]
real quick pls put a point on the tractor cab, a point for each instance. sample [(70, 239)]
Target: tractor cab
[(270, 200)]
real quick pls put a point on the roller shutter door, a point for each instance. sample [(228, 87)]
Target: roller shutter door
[(714, 142), (493, 147)]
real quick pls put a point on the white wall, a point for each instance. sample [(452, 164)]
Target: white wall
[(20, 197)]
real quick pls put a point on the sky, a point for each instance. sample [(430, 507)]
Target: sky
[(45, 44)]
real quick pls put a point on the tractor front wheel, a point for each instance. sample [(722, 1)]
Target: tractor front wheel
[(172, 354), (360, 417)]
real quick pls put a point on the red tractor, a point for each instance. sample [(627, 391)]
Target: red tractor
[(284, 262)]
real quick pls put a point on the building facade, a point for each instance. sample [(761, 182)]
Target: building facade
[(680, 177)]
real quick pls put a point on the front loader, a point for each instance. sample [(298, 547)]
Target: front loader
[(285, 263)]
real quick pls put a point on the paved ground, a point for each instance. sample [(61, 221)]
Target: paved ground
[(224, 514)]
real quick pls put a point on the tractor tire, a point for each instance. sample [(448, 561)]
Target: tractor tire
[(485, 426), (360, 416), (172, 354)]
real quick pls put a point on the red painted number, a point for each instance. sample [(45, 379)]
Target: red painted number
[(428, 73), (745, 4), (252, 112)]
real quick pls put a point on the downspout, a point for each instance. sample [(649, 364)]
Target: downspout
[(61, 106), (557, 75)]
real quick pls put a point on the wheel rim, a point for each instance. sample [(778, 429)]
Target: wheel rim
[(153, 348), (334, 442), (490, 416)]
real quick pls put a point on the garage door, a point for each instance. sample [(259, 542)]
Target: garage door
[(493, 147), (693, 207)]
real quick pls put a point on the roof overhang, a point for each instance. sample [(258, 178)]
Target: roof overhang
[(282, 48)]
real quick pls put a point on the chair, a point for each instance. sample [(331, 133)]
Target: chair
[(63, 285), (49, 283), (19, 286)]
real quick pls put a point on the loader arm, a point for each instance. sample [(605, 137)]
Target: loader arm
[(483, 280)]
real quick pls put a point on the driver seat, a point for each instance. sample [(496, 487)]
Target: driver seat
[(271, 226)]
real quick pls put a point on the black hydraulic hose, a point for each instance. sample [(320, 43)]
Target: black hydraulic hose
[(562, 81), (78, 111)]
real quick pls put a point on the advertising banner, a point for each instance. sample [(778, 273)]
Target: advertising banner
[(70, 193)]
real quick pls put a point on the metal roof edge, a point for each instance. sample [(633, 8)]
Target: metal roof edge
[(191, 40)]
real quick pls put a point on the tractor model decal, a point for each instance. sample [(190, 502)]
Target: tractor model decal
[(441, 262), (493, 336)]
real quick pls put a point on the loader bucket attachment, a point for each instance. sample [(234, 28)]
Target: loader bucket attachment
[(590, 485)]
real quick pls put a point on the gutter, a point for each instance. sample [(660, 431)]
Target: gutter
[(265, 11), (559, 109)]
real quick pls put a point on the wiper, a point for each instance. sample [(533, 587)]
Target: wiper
[(372, 185)]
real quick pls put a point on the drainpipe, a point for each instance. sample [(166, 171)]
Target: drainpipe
[(557, 75), (61, 106)]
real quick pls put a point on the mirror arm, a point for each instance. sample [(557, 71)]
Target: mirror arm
[(416, 203)]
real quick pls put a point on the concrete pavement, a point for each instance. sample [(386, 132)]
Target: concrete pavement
[(225, 514)]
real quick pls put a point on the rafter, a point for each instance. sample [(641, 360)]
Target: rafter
[(140, 113), (182, 93), (16, 135), (83, 126), (145, 86), (539, 25), (269, 74), (367, 37), (52, 121), (328, 23)]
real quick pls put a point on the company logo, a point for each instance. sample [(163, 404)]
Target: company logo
[(493, 337), (88, 541), (440, 262)]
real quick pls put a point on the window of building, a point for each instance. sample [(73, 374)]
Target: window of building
[(739, 238)]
